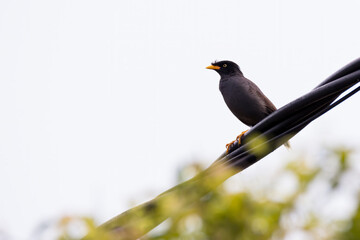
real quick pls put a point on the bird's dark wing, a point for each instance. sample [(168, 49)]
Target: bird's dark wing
[(269, 106)]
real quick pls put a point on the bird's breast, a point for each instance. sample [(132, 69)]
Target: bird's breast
[(242, 102)]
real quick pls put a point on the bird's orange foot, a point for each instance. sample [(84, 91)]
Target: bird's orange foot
[(238, 139)]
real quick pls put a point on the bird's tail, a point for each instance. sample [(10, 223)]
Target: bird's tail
[(287, 145)]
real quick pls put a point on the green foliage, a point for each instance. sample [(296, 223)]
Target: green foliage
[(267, 213), (353, 228)]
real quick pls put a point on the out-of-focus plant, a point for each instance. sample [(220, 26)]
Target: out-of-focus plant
[(319, 204)]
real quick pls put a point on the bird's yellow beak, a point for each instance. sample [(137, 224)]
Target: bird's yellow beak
[(213, 67)]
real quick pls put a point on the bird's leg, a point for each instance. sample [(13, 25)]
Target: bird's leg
[(238, 139)]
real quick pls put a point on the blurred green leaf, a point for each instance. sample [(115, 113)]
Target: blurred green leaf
[(223, 215)]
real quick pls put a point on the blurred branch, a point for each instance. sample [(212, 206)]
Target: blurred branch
[(259, 141)]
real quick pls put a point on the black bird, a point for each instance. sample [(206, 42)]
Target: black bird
[(244, 99)]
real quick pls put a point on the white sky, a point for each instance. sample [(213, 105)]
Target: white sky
[(83, 83)]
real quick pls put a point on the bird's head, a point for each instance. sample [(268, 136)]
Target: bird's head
[(225, 68)]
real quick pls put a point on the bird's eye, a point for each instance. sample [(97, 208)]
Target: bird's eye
[(225, 65)]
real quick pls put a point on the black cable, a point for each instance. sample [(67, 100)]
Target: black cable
[(237, 160)]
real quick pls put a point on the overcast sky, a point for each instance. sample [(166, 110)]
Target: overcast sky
[(102, 101)]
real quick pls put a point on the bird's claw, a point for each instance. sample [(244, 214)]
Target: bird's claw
[(228, 145), (238, 139)]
